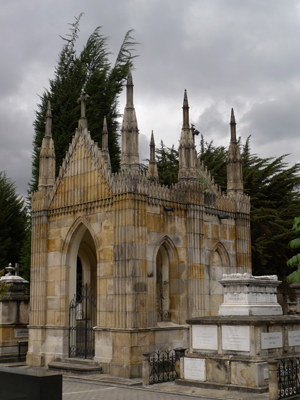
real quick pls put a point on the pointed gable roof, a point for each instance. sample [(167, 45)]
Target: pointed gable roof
[(84, 176)]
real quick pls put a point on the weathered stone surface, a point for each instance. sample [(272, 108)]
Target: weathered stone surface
[(153, 255), (245, 345), (245, 294)]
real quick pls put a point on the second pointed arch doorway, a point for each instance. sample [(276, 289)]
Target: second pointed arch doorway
[(162, 285)]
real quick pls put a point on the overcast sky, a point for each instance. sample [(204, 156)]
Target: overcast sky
[(243, 54)]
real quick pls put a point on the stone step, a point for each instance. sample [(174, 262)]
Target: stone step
[(75, 366)]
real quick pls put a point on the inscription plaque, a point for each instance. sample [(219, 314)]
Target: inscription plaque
[(205, 337), (236, 338), (21, 333), (266, 373), (271, 340), (294, 338), (239, 298), (194, 369)]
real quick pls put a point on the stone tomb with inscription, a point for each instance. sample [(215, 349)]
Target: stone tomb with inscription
[(245, 294), (233, 349), (14, 316)]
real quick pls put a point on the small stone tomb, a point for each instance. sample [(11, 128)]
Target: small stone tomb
[(234, 348), (245, 294)]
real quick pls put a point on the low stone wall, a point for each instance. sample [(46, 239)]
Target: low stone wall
[(235, 351), (120, 351)]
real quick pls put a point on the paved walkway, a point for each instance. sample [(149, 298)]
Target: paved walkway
[(97, 387), (101, 386)]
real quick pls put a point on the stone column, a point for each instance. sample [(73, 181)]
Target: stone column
[(179, 354), (273, 380)]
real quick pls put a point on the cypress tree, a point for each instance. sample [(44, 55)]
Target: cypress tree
[(167, 164), (93, 71), (13, 220)]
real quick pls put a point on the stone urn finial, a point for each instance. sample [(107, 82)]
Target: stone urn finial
[(10, 270), (16, 285)]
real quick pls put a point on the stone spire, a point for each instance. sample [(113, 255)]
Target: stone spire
[(233, 127), (130, 143), (187, 149), (47, 155), (185, 108), (234, 162), (152, 173), (105, 151), (82, 122)]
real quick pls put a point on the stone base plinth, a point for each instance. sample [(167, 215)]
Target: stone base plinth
[(236, 350), (250, 309), (45, 344), (227, 370), (119, 351)]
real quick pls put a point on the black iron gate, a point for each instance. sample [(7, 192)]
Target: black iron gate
[(162, 367), (288, 377), (82, 319)]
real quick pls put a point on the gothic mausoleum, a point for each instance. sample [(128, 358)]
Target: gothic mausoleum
[(120, 262)]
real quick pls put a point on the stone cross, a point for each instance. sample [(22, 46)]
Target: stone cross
[(82, 99)]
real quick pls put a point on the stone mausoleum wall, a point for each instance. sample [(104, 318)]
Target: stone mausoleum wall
[(152, 254)]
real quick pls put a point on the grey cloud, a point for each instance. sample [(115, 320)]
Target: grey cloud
[(226, 53)]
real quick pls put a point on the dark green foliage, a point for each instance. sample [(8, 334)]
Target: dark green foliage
[(275, 199), (25, 254), (215, 158), (167, 164), (294, 262), (13, 221), (103, 82)]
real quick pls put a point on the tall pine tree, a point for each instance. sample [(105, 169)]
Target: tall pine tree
[(93, 71), (13, 222)]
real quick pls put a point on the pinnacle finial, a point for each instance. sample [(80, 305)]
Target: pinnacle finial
[(49, 113), (129, 89), (185, 99), (83, 99), (104, 125), (232, 119), (152, 143), (129, 77), (48, 120), (104, 135), (233, 126), (152, 148), (152, 173), (185, 107)]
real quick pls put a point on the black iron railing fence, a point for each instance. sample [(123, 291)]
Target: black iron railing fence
[(22, 344), (162, 367), (288, 377)]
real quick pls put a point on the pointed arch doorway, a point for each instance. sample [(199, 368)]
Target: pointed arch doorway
[(219, 264), (162, 285), (83, 296)]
